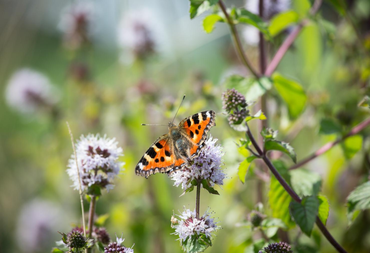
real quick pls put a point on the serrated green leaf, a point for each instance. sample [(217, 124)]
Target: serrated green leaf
[(100, 221), (305, 182), (195, 244), (281, 146), (247, 17), (281, 21), (210, 21), (271, 226), (365, 102), (358, 199), (259, 115), (209, 188), (292, 93), (304, 213), (279, 201), (351, 146), (329, 126), (323, 209), (244, 167)]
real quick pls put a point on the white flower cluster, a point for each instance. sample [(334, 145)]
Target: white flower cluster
[(29, 91), (97, 162), (206, 166), (189, 225)]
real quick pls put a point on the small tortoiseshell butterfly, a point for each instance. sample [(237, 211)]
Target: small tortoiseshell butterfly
[(172, 151)]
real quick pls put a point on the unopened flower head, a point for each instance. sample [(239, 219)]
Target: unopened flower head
[(282, 247), (234, 104), (188, 225), (75, 23), (29, 91), (117, 247), (136, 32), (98, 163), (102, 235), (206, 166), (75, 239)]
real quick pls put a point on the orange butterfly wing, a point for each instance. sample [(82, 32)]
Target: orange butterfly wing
[(158, 158), (196, 128)]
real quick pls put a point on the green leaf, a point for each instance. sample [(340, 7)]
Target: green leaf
[(271, 226), (281, 146), (365, 102), (244, 167), (358, 199), (329, 126), (100, 221), (209, 188), (351, 146), (195, 244), (197, 7), (56, 250), (279, 201), (269, 133), (292, 93), (305, 182), (281, 21), (258, 115), (323, 208), (302, 7), (210, 21), (305, 248), (304, 213), (247, 17)]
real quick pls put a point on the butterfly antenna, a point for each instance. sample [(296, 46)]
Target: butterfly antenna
[(153, 125), (183, 98)]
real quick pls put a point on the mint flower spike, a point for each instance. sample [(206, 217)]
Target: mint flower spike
[(98, 163), (117, 247), (207, 166), (188, 226)]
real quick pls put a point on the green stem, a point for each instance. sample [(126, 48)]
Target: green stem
[(197, 200), (236, 39), (91, 217)]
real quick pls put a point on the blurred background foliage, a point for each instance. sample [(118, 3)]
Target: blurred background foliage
[(123, 63)]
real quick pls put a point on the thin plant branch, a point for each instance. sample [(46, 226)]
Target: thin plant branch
[(289, 41), (79, 182), (291, 192), (237, 42), (91, 214), (329, 145), (197, 200)]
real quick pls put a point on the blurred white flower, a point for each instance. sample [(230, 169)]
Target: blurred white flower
[(76, 23), (272, 7), (206, 166), (29, 91), (188, 225), (97, 162), (137, 33), (37, 225)]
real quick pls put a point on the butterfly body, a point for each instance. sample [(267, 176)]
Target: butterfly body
[(174, 150)]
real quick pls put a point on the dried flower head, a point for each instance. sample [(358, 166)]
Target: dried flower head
[(117, 247), (282, 247), (98, 163), (188, 225), (29, 91), (75, 239), (102, 235), (75, 23), (206, 166), (136, 33)]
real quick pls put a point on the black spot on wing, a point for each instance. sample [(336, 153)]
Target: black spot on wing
[(144, 161), (158, 145), (162, 159), (191, 134), (156, 160), (196, 131), (204, 115), (151, 152), (199, 127), (189, 122), (196, 118), (167, 153)]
